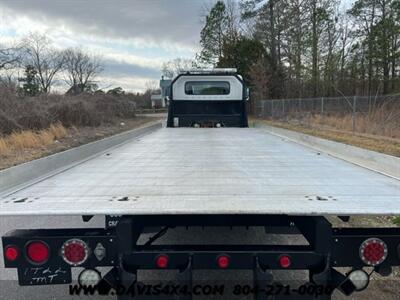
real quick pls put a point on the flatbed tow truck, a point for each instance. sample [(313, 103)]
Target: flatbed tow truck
[(205, 168)]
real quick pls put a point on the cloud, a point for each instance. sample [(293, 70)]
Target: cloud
[(116, 69), (134, 37), (171, 24), (128, 83)]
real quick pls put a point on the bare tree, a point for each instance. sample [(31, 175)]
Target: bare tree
[(152, 85), (10, 60), (8, 78), (81, 70), (9, 57), (260, 77), (173, 67), (46, 60), (345, 43), (233, 21)]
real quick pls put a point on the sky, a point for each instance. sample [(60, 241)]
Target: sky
[(133, 37)]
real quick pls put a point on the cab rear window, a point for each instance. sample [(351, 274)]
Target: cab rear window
[(207, 88)]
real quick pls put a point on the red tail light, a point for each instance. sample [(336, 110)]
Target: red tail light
[(75, 252), (223, 261), (37, 252), (162, 261), (11, 253), (373, 251), (285, 261)]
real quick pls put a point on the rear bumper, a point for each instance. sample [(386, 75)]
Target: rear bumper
[(327, 248)]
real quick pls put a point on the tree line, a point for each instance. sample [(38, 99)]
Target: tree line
[(305, 48), (45, 66)]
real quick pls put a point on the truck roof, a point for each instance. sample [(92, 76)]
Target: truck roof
[(209, 171)]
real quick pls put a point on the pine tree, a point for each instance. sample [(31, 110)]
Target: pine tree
[(241, 54), (31, 85), (213, 35)]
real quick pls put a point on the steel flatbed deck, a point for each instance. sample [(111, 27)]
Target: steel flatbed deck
[(209, 171)]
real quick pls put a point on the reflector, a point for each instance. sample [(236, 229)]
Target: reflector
[(37, 252)]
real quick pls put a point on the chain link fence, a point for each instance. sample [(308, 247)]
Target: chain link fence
[(371, 115)]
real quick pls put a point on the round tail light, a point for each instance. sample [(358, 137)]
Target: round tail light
[(373, 251), (162, 261), (285, 261), (11, 253), (223, 261), (75, 252), (37, 252)]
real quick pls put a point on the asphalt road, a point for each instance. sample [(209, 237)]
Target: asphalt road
[(9, 288)]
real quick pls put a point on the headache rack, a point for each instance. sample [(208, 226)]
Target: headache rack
[(210, 71)]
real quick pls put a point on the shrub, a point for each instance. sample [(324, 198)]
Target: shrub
[(34, 120), (76, 113), (7, 124), (37, 113)]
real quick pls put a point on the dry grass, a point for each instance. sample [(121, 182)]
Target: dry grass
[(380, 119), (377, 128), (381, 144), (4, 148), (23, 140), (372, 124), (58, 131), (28, 139)]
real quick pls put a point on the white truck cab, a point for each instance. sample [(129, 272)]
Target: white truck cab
[(208, 98)]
